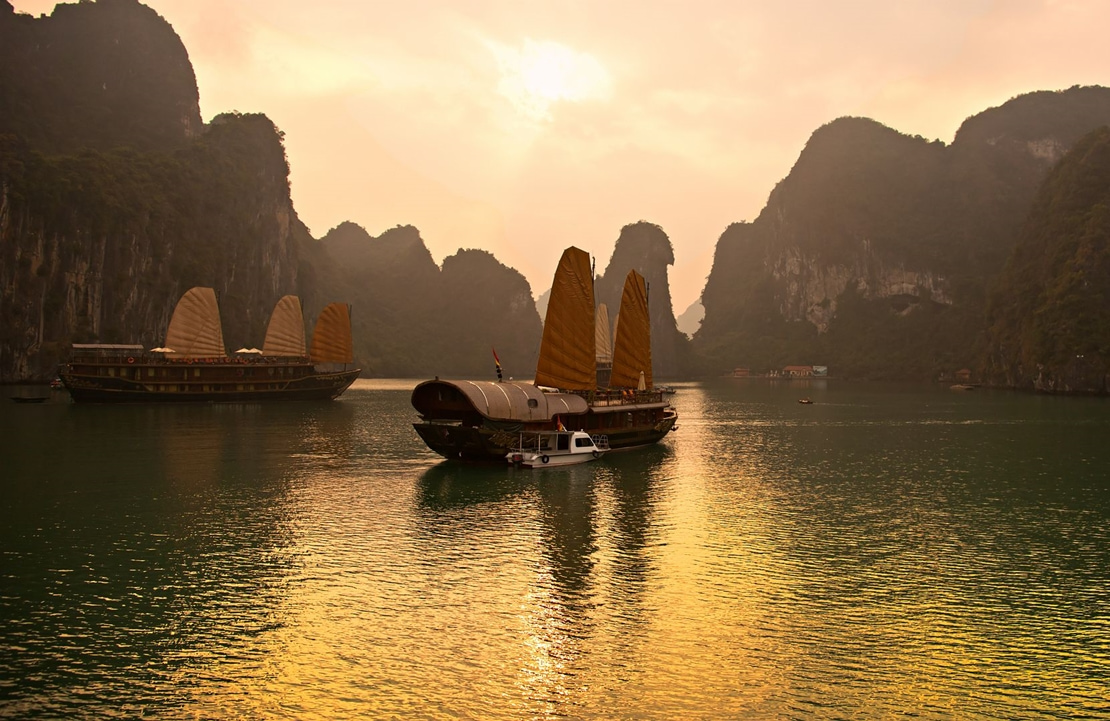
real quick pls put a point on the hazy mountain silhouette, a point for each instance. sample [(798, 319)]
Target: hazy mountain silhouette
[(874, 254)]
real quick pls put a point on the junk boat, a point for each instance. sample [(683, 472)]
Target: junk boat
[(482, 420), (193, 366), (542, 449)]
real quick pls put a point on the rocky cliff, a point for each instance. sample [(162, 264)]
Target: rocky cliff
[(95, 75), (872, 256), (413, 318), (98, 247), (115, 199), (645, 248), (1049, 314)]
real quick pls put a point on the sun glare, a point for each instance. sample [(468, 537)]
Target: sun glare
[(538, 74)]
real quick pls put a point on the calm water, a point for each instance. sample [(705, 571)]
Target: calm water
[(886, 550)]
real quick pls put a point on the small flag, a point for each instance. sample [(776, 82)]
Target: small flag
[(496, 362), (559, 424)]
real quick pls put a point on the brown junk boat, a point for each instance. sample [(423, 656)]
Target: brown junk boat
[(194, 365), (482, 420)]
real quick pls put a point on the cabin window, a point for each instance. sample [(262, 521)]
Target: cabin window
[(533, 403), (196, 373), (564, 443), (149, 372), (111, 371), (583, 442)]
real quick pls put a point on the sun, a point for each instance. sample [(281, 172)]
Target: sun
[(539, 73)]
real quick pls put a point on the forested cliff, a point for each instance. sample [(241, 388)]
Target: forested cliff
[(114, 199), (413, 318), (875, 254), (880, 255), (1049, 313)]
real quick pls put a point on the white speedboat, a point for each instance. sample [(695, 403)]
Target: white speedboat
[(540, 449)]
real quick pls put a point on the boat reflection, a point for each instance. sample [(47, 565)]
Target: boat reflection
[(582, 534)]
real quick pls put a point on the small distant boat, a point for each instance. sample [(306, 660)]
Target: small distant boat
[(540, 449), (29, 399), (669, 390), (57, 383), (805, 401), (962, 387)]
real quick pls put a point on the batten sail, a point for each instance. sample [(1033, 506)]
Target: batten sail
[(331, 341), (603, 337), (568, 349), (285, 333), (632, 347), (195, 330)]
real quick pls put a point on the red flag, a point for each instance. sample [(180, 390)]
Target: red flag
[(495, 358)]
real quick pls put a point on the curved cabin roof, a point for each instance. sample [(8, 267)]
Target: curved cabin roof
[(495, 400)]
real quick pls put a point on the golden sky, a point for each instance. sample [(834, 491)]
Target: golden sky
[(522, 127)]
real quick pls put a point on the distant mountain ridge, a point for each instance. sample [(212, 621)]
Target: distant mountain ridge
[(874, 254), (416, 319)]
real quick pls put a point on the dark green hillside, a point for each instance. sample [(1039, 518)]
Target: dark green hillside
[(99, 245), (1050, 311), (874, 255), (484, 305), (413, 319), (95, 75)]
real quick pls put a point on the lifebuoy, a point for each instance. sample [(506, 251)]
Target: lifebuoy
[(544, 459), (130, 360)]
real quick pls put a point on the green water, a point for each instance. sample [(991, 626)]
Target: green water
[(886, 550)]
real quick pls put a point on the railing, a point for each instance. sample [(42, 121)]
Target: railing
[(620, 398)]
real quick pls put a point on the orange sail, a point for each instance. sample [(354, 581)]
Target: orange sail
[(567, 352), (632, 348), (331, 341), (604, 338), (285, 333), (195, 330)]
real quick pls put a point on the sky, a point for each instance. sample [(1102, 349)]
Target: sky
[(523, 127)]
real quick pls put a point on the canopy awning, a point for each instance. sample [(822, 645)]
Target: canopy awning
[(495, 400)]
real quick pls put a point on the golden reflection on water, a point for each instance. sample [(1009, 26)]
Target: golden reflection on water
[(869, 555)]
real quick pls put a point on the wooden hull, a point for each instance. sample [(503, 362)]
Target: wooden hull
[(150, 381), (489, 444)]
